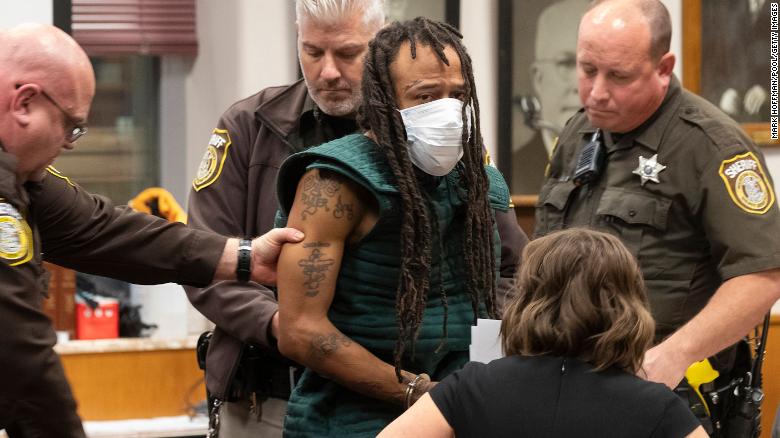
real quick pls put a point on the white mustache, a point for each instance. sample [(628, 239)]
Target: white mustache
[(335, 86)]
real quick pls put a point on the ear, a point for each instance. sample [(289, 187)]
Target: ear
[(666, 65), (21, 98)]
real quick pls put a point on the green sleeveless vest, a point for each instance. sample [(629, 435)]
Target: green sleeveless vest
[(363, 307)]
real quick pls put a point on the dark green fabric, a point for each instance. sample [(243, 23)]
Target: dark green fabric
[(363, 307)]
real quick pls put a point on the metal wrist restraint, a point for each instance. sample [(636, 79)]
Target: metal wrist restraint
[(244, 266), (411, 387)]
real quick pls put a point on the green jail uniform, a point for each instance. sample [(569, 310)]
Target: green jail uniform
[(363, 307)]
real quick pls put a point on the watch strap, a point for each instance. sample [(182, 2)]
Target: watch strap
[(244, 266)]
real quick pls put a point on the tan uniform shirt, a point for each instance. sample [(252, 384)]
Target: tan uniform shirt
[(711, 215)]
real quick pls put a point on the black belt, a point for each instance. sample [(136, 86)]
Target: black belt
[(265, 375), (283, 380)]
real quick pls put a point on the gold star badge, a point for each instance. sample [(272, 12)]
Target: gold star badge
[(648, 169)]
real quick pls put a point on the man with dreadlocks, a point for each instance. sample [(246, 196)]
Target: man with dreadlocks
[(372, 320), (234, 194)]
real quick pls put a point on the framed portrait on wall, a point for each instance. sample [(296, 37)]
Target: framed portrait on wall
[(537, 84), (726, 59)]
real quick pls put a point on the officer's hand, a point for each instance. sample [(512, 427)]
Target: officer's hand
[(265, 252), (663, 364)]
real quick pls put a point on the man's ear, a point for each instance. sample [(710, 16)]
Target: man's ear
[(666, 64), (21, 98)]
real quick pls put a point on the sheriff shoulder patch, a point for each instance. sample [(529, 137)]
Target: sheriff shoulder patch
[(59, 175), (211, 165), (16, 241), (747, 183)]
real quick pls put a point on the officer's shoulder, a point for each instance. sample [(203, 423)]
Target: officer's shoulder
[(576, 117), (574, 124), (250, 104), (54, 176), (715, 128)]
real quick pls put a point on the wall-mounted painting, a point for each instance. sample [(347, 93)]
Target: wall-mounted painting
[(538, 92)]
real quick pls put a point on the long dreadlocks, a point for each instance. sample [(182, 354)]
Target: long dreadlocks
[(379, 113)]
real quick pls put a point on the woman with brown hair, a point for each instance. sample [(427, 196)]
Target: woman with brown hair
[(574, 337)]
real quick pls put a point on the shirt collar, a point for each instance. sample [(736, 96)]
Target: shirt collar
[(651, 138), (309, 109)]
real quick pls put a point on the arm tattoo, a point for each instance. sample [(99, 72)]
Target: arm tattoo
[(323, 346), (316, 192), (314, 268), (342, 210)]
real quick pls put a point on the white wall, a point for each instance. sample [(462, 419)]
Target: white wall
[(16, 12), (675, 10), (244, 46), (475, 18)]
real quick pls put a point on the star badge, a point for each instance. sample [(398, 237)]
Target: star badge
[(648, 169)]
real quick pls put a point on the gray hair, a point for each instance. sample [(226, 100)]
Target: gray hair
[(334, 11)]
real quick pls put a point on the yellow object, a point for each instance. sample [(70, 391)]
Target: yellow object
[(698, 374), (159, 202)]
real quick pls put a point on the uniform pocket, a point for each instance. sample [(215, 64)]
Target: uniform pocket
[(551, 206), (630, 214)]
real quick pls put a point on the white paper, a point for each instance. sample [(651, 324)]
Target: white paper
[(485, 341)]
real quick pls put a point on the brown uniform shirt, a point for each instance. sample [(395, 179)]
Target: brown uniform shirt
[(57, 221), (711, 216), (234, 193)]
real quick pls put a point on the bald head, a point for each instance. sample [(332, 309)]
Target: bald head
[(621, 78), (46, 89), (47, 56), (652, 12)]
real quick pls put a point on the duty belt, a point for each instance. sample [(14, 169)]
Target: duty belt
[(263, 375), (259, 373)]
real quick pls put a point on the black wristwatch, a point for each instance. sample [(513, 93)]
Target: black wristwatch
[(244, 266)]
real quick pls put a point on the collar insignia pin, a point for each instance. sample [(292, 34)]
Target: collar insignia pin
[(648, 169)]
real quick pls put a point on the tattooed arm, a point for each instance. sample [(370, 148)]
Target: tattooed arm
[(332, 212)]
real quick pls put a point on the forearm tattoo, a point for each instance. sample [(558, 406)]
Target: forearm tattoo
[(323, 346), (316, 192), (314, 267)]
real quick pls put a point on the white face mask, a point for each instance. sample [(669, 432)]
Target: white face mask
[(434, 132)]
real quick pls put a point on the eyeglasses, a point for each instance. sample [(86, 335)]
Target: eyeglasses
[(77, 131)]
